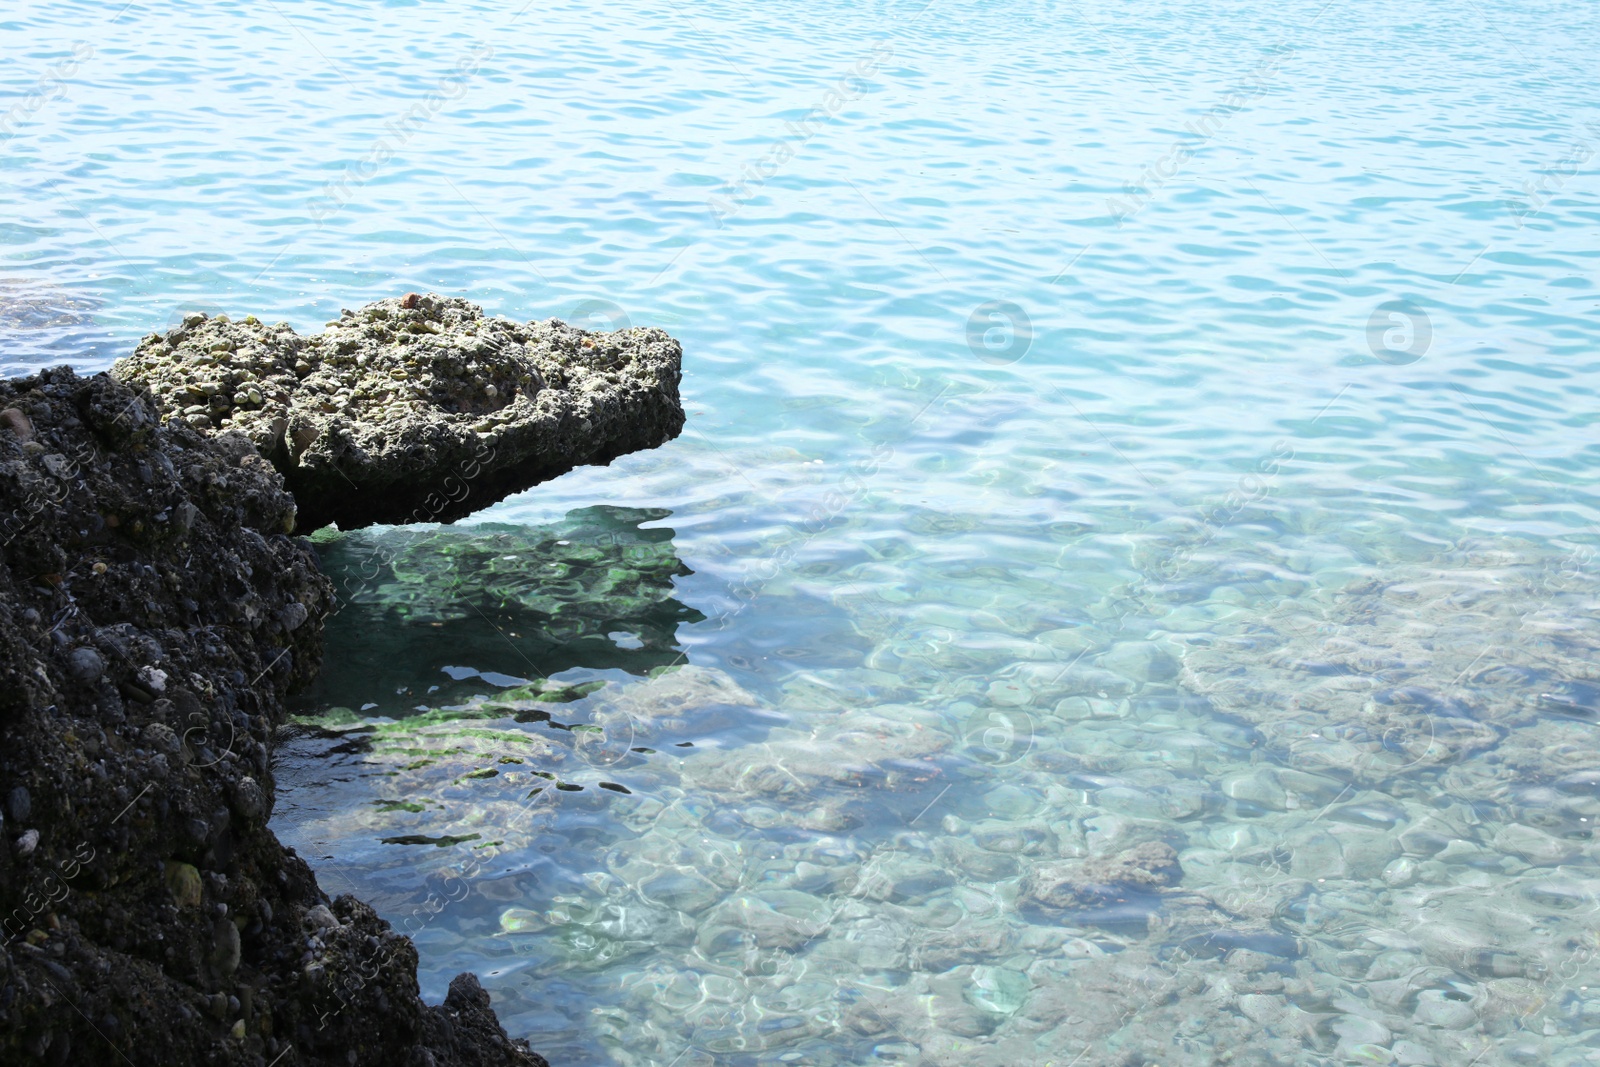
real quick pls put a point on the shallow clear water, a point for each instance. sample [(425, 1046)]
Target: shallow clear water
[(1112, 426)]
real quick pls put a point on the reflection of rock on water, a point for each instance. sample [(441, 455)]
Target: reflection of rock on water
[(27, 305), (503, 603)]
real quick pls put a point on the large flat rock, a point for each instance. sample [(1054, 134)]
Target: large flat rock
[(415, 408)]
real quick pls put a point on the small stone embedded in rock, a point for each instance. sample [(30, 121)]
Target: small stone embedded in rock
[(19, 804), (86, 665), (183, 882), (27, 842), (249, 800), (227, 949), (293, 615), (162, 738), (321, 917), (18, 423)]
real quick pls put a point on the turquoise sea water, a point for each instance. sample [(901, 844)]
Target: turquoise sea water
[(1112, 427)]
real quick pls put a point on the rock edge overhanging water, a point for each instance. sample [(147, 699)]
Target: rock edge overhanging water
[(155, 610), (415, 408)]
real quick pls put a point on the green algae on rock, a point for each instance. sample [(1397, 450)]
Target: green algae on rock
[(415, 409)]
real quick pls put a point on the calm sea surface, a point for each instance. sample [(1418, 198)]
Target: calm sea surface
[(1126, 591)]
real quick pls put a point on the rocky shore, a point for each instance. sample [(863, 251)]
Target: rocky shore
[(155, 610)]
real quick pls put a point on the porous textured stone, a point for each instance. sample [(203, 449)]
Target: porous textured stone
[(416, 408), (154, 612)]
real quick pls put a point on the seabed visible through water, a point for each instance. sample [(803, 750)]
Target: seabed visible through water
[(1290, 795)]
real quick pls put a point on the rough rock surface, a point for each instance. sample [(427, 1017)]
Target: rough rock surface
[(418, 408), (153, 613)]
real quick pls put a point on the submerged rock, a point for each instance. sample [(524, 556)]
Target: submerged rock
[(1097, 880), (154, 613), (29, 305), (1410, 674), (415, 409)]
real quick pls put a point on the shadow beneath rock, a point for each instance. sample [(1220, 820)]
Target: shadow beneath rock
[(432, 617)]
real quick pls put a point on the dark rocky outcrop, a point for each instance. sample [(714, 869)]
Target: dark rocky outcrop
[(154, 611), (418, 408)]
